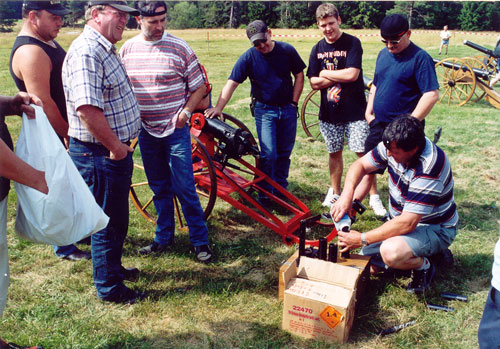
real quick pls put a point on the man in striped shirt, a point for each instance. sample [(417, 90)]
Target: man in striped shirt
[(169, 84), (424, 215)]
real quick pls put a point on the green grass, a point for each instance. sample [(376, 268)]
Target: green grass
[(233, 302)]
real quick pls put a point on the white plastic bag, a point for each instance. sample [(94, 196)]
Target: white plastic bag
[(69, 212)]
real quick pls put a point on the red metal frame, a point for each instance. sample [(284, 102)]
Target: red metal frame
[(230, 182)]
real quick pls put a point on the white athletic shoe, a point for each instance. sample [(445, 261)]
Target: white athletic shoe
[(330, 198), (377, 205)]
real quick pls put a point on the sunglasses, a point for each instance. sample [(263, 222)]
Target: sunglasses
[(393, 42), (257, 43)]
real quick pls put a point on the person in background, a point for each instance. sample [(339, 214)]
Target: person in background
[(104, 118), (35, 65), (12, 167), (445, 36), (169, 89), (270, 66)]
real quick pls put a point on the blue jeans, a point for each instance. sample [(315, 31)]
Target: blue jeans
[(169, 169), (109, 181), (276, 129), (490, 322)]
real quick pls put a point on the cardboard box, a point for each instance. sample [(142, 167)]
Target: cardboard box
[(320, 296)]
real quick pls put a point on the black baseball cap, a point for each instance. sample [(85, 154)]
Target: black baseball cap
[(53, 7), (119, 5), (394, 26), (256, 31), (148, 8)]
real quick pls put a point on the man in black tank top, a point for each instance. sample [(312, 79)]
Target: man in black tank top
[(35, 65)]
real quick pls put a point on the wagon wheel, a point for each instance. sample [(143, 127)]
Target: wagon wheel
[(477, 63), (309, 114), (456, 81), (490, 63), (142, 196)]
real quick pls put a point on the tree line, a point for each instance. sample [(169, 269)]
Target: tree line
[(469, 16)]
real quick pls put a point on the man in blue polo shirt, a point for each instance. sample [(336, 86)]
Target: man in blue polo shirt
[(270, 66), (405, 80), (424, 215)]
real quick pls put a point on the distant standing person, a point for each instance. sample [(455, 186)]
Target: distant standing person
[(270, 66), (35, 65), (335, 68), (445, 39), (169, 88), (103, 119)]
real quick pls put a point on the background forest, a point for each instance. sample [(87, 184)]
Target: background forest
[(470, 16)]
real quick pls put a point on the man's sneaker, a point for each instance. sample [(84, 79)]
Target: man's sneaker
[(203, 253), (421, 280), (153, 248), (330, 198), (377, 205)]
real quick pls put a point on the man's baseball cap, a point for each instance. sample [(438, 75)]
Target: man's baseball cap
[(394, 26), (148, 8), (53, 7), (119, 5), (256, 31)]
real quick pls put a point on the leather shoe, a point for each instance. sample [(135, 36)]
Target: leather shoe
[(154, 248), (130, 274), (77, 256), (127, 296)]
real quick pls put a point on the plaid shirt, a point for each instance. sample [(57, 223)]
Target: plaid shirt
[(93, 74)]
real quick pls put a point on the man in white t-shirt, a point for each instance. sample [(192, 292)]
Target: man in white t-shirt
[(445, 39)]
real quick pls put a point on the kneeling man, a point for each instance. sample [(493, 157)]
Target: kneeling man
[(424, 215)]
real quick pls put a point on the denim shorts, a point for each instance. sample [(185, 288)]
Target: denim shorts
[(425, 240)]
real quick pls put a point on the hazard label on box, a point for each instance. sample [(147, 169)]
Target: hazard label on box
[(331, 317)]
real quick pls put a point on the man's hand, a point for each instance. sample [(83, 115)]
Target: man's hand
[(21, 104), (121, 152), (342, 206), (350, 240), (182, 119), (212, 112)]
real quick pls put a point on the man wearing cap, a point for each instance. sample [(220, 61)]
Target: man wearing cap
[(168, 89), (35, 65), (335, 68), (269, 65), (103, 118), (405, 80)]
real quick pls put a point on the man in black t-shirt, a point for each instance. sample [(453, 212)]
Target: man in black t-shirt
[(335, 69)]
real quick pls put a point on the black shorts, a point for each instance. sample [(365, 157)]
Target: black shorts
[(375, 136)]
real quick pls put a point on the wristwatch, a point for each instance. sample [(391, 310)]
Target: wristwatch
[(188, 113), (363, 240)]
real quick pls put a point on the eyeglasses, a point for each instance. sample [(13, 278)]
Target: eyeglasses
[(393, 42), (120, 14)]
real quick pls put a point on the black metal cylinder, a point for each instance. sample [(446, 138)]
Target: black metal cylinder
[(332, 252), (322, 248)]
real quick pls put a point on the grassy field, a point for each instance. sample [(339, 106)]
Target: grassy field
[(233, 302)]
